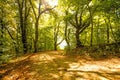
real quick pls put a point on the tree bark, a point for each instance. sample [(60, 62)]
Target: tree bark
[(1, 36), (56, 30), (91, 20), (36, 36), (78, 42), (107, 32), (67, 32)]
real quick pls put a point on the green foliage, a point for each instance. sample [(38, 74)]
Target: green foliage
[(96, 52), (46, 40), (4, 58), (102, 15), (117, 33)]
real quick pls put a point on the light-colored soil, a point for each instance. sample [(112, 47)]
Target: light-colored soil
[(53, 65)]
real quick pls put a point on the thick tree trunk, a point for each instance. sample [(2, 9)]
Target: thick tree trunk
[(24, 40), (78, 42), (55, 46), (23, 25), (23, 31)]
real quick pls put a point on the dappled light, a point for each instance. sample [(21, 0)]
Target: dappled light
[(53, 65), (59, 39), (97, 69)]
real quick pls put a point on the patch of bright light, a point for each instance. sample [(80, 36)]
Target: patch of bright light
[(52, 2), (63, 44), (90, 4)]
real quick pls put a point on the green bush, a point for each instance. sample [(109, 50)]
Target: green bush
[(4, 58)]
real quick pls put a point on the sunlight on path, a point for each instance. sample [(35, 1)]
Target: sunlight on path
[(100, 70), (95, 66), (51, 65)]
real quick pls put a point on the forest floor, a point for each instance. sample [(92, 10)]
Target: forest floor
[(53, 65)]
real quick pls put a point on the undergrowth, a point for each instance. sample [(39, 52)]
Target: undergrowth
[(95, 52)]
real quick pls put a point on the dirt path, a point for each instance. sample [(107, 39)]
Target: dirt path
[(52, 65)]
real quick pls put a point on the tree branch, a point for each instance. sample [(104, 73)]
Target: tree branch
[(84, 26), (72, 23), (60, 42), (10, 35), (47, 9), (33, 8), (76, 17)]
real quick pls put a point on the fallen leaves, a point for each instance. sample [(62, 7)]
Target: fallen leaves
[(51, 65)]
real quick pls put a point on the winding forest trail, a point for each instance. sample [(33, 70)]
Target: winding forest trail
[(53, 65)]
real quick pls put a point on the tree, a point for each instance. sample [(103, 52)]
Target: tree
[(56, 35), (23, 17), (80, 20), (37, 15), (67, 31), (1, 32)]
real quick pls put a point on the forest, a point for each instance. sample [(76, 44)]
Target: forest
[(59, 39)]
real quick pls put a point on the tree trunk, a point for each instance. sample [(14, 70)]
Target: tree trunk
[(91, 20), (78, 42), (24, 39), (23, 24), (1, 36), (67, 32), (55, 38), (55, 46), (107, 32), (36, 36), (56, 31)]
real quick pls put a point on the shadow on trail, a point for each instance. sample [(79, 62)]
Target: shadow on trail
[(14, 70), (54, 66)]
